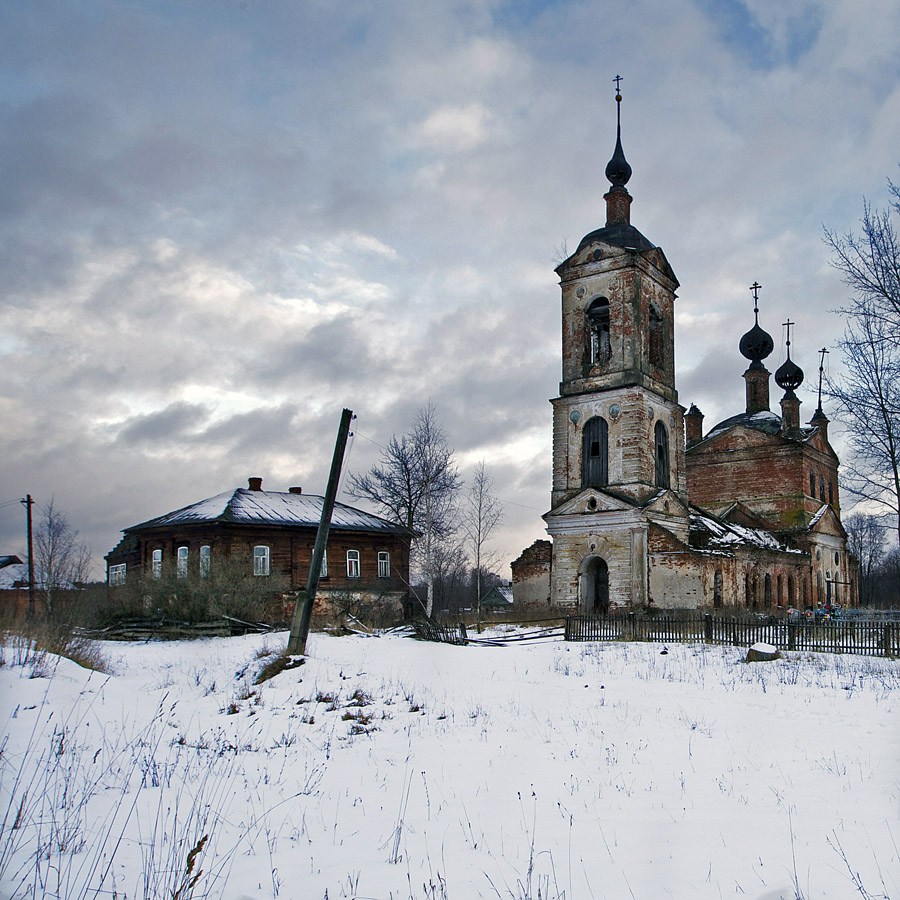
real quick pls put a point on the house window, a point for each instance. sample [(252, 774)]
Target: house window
[(655, 350), (156, 564), (260, 560), (353, 563), (600, 349), (205, 560), (117, 574), (384, 564), (323, 571), (595, 453), (181, 564), (662, 455)]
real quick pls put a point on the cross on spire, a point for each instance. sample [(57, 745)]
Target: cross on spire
[(755, 287), (788, 341), (618, 81), (822, 353)]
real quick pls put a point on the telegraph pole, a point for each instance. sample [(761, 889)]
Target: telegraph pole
[(28, 503), (303, 610)]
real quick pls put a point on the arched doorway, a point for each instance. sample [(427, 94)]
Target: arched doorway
[(594, 586)]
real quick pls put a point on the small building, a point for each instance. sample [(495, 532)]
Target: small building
[(498, 599), (271, 533)]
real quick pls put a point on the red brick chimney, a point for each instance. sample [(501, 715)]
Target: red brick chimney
[(693, 426), (255, 483), (295, 490)]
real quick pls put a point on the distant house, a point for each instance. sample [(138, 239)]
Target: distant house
[(270, 533), (497, 599)]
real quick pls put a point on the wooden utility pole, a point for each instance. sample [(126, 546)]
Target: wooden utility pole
[(303, 610), (28, 503)]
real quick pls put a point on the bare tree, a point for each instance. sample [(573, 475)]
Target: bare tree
[(61, 559), (415, 484), (868, 393), (482, 513), (866, 539)]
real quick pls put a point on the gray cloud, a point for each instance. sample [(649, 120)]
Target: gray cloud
[(222, 222)]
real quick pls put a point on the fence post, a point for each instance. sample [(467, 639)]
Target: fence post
[(792, 636), (707, 628), (734, 637), (888, 639), (632, 626), (462, 633)]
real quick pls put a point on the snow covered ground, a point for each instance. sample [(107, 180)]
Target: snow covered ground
[(389, 768)]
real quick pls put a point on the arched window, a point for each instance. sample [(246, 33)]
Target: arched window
[(181, 564), (717, 589), (830, 492), (779, 595), (260, 560), (662, 455), (156, 564), (767, 590), (656, 342), (205, 560), (748, 590), (594, 453), (600, 349), (790, 596), (821, 488)]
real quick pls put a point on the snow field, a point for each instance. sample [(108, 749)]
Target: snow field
[(390, 768)]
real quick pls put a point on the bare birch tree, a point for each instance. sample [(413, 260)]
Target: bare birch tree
[(866, 539), (482, 513), (61, 559), (868, 392), (415, 484)]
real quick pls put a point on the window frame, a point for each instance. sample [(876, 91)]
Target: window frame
[(205, 560), (662, 475), (262, 561), (117, 574), (181, 561), (353, 564), (156, 563), (384, 564)]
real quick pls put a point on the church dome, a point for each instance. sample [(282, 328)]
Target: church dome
[(789, 375), (756, 345)]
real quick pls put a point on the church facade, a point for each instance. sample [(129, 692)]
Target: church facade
[(646, 508)]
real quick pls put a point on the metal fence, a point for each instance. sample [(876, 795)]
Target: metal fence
[(867, 638)]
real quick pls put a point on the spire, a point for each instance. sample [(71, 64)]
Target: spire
[(756, 345), (617, 169), (789, 376), (618, 200)]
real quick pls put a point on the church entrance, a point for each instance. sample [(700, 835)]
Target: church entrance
[(595, 586)]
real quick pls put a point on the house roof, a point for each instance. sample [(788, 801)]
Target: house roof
[(10, 561), (499, 594), (248, 507)]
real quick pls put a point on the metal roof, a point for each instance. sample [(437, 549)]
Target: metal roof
[(247, 507)]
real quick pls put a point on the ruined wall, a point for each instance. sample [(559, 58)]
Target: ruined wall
[(531, 574)]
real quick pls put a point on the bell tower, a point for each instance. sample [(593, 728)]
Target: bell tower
[(618, 358), (618, 429)]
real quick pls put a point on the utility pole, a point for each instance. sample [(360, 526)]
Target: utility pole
[(303, 610), (28, 503)]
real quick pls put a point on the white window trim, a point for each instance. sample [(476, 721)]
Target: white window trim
[(205, 560), (261, 563), (181, 562), (384, 564), (323, 571), (353, 567), (117, 573), (156, 563)]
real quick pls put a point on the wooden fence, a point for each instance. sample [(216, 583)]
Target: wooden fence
[(831, 636)]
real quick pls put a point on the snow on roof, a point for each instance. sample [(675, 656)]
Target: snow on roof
[(765, 420), (247, 507), (727, 535), (818, 515)]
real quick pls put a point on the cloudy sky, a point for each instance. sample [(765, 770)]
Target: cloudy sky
[(221, 222)]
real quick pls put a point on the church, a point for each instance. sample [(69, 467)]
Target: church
[(649, 510)]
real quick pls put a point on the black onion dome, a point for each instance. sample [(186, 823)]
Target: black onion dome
[(617, 169), (756, 344), (789, 375)]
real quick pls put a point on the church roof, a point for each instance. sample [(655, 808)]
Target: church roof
[(725, 537), (249, 507), (765, 421), (618, 235)]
